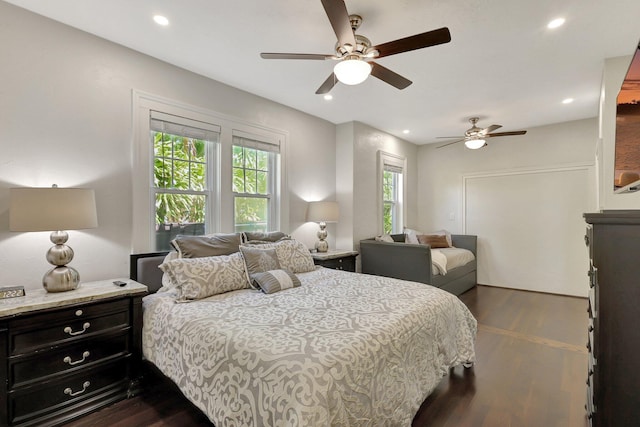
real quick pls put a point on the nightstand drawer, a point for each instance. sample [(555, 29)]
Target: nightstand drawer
[(34, 402), (25, 369), (48, 330)]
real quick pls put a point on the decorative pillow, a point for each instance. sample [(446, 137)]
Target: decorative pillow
[(443, 233), (271, 236), (276, 280), (167, 283), (197, 278), (384, 238), (411, 236), (292, 255), (205, 246), (433, 240), (258, 260)]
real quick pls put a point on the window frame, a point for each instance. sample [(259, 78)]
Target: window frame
[(273, 169), (221, 205), (178, 126), (398, 164)]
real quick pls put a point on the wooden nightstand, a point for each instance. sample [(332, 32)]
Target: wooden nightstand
[(337, 259), (69, 353)]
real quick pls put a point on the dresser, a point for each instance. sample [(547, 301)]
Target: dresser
[(336, 259), (613, 378), (69, 353)]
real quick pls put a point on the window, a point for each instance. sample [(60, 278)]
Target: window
[(391, 172), (254, 186), (183, 170), (183, 175)]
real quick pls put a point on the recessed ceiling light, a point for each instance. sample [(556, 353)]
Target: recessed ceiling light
[(328, 97), (567, 101), (406, 131), (161, 20), (555, 23)]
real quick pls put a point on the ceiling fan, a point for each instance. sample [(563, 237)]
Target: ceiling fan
[(475, 137), (355, 53)]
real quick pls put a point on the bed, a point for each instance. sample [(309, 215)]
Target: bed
[(341, 349)]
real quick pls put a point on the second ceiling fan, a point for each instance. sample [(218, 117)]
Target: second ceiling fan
[(355, 54), (475, 137)]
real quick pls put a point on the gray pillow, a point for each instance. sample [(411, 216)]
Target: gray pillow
[(209, 245), (276, 280), (258, 260), (271, 236)]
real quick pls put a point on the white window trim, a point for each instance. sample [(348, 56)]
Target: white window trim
[(221, 204), (396, 161)]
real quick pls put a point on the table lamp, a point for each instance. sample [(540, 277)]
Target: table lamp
[(54, 209), (322, 212)]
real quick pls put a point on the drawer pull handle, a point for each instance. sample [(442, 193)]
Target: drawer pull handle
[(70, 392), (68, 359), (79, 313), (69, 331)]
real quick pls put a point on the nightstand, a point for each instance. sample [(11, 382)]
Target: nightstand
[(337, 259), (69, 353)]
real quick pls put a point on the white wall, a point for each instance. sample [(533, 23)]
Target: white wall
[(442, 171), (367, 141), (615, 70), (65, 118)]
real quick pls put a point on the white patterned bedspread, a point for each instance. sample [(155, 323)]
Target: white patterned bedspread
[(344, 349)]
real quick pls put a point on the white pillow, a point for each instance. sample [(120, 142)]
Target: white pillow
[(411, 236), (384, 238), (197, 278)]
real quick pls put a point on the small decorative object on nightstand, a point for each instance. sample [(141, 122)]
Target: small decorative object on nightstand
[(337, 259), (69, 353)]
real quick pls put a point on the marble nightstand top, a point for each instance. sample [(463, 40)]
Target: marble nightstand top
[(332, 254), (39, 299)]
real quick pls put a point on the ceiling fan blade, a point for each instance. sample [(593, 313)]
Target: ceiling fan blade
[(490, 129), (517, 132), (339, 17), (388, 76), (447, 137), (327, 85), (451, 143), (418, 41), (295, 56)]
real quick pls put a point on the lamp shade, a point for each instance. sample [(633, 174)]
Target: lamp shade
[(352, 71), (323, 212), (474, 144), (51, 209)]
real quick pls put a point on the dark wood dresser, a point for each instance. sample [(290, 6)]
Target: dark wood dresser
[(613, 381), (66, 354)]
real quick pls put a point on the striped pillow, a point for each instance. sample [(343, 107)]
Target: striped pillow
[(276, 280)]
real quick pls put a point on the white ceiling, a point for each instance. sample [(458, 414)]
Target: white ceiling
[(502, 64)]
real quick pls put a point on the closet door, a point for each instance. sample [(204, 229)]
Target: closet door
[(530, 228)]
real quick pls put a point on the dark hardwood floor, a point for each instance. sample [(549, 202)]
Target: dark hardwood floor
[(530, 371)]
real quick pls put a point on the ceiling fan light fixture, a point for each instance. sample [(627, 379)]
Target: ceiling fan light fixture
[(352, 71), (474, 144)]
